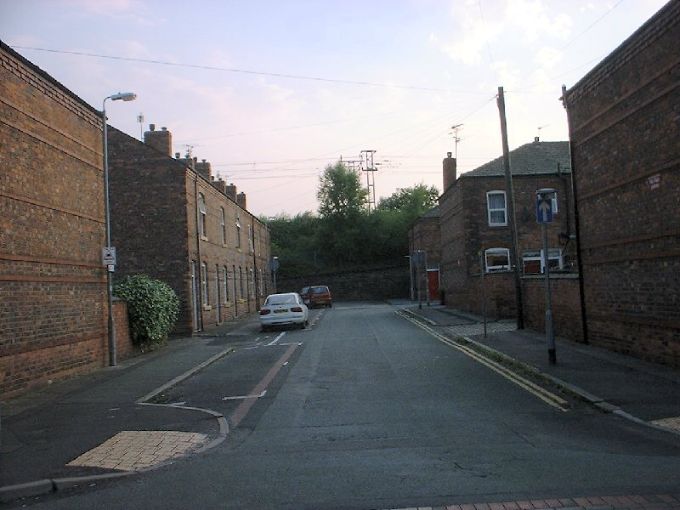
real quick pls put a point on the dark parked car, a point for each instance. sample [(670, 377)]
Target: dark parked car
[(318, 295)]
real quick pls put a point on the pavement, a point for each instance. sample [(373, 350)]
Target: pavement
[(643, 392), (106, 424)]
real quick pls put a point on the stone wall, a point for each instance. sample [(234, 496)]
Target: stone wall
[(370, 285)]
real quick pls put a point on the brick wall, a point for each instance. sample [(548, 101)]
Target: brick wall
[(52, 291), (565, 301), (124, 346), (626, 147)]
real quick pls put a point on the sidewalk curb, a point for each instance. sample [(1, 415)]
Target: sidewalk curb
[(10, 493), (574, 390)]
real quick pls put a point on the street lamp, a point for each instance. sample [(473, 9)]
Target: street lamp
[(109, 253)]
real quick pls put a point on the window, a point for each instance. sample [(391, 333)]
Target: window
[(533, 263), (202, 215), (225, 279), (251, 238), (238, 231), (218, 291), (240, 281), (223, 224), (497, 259), (554, 203), (496, 208), (204, 283)]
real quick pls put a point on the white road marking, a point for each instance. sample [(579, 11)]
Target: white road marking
[(245, 397), (276, 339)]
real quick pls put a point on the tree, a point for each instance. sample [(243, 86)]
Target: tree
[(413, 201), (340, 192)]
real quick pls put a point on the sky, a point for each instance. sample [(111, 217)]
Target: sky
[(273, 91)]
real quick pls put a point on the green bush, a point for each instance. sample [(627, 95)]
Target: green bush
[(152, 308)]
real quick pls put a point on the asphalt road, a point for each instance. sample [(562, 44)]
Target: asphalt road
[(366, 410)]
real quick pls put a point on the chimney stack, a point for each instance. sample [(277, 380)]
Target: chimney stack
[(203, 168), (159, 140), (449, 165), (230, 191), (219, 184), (241, 200)]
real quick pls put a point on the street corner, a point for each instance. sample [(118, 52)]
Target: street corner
[(141, 450)]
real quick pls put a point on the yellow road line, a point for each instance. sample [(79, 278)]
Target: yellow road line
[(536, 390)]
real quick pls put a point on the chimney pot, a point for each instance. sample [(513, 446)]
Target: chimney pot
[(536, 139), (152, 127), (177, 155), (448, 154), (164, 128)]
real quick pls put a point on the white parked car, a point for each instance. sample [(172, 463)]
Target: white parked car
[(282, 310)]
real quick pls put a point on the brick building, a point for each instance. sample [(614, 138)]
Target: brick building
[(53, 306), (476, 238), (424, 236), (624, 118), (173, 221)]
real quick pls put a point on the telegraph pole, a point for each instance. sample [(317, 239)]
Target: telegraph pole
[(510, 198)]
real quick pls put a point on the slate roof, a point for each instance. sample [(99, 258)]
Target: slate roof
[(432, 213), (535, 158)]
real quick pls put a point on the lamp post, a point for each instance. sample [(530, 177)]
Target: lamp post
[(109, 254)]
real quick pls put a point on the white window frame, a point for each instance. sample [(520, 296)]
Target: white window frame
[(553, 254), (202, 216), (496, 251), (225, 271), (204, 284), (238, 231), (489, 210), (223, 224)]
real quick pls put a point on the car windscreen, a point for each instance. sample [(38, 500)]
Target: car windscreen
[(319, 290)]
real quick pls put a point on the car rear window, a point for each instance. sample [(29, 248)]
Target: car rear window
[(320, 290), (280, 300)]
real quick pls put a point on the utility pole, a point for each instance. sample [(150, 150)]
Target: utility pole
[(368, 167), (510, 198), (456, 139)]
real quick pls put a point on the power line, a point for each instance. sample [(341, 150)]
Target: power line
[(243, 71)]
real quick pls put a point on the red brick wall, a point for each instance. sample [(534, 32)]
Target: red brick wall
[(52, 284), (626, 147), (124, 346), (565, 301)]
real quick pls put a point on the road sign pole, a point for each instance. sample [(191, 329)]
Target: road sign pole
[(549, 331)]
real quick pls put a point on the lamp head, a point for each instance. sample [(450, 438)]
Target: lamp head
[(124, 96)]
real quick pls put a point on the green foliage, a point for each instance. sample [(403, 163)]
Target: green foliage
[(152, 308), (340, 192), (344, 236), (412, 201)]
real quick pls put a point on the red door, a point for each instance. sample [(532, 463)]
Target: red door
[(433, 283)]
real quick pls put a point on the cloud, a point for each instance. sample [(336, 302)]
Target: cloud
[(533, 19)]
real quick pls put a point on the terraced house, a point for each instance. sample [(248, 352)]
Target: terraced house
[(173, 221)]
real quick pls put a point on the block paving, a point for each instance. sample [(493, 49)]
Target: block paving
[(137, 450), (631, 502)]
